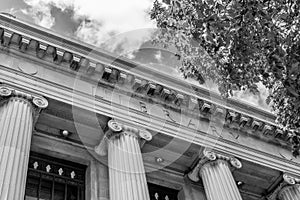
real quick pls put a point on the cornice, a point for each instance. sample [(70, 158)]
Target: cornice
[(99, 56), (26, 35), (123, 73)]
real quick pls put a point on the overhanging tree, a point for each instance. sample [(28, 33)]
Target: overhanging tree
[(237, 44)]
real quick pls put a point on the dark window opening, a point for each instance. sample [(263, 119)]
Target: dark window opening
[(158, 192), (50, 178)]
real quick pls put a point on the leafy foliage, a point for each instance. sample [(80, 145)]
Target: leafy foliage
[(237, 44)]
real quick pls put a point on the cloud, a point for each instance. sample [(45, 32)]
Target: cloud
[(40, 14), (255, 99), (11, 11), (40, 10), (116, 25)]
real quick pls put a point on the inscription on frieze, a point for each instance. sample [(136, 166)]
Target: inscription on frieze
[(162, 115), (168, 116), (143, 107), (191, 124)]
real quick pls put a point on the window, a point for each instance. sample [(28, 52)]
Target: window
[(162, 193), (50, 178)]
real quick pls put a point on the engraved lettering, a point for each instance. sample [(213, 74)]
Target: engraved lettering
[(214, 131), (234, 135), (143, 107), (191, 123), (167, 113)]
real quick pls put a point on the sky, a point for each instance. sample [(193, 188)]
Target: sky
[(120, 26)]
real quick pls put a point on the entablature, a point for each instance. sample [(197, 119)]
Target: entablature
[(121, 77), (142, 82)]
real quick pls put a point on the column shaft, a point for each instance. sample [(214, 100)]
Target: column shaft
[(127, 179), (218, 181), (290, 192), (15, 138)]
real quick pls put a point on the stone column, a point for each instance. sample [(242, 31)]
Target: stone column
[(18, 113), (127, 178), (291, 192), (214, 169), (288, 189)]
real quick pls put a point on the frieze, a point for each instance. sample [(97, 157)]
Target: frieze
[(257, 151)]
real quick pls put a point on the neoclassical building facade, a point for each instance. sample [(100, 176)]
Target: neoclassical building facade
[(79, 123)]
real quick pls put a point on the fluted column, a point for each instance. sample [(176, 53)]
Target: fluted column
[(18, 113), (291, 192), (127, 178), (214, 169), (288, 189)]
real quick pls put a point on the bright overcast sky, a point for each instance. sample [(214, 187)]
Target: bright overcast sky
[(92, 21)]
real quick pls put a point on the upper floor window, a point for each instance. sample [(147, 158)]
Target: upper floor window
[(50, 178)]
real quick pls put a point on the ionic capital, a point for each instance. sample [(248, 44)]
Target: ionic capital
[(37, 102), (116, 129), (288, 181), (210, 157)]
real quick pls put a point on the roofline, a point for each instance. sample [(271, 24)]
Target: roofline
[(79, 47)]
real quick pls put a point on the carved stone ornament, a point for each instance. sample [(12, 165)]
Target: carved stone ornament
[(115, 130), (114, 126), (40, 102), (145, 135), (210, 155), (235, 163), (289, 179), (5, 91)]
